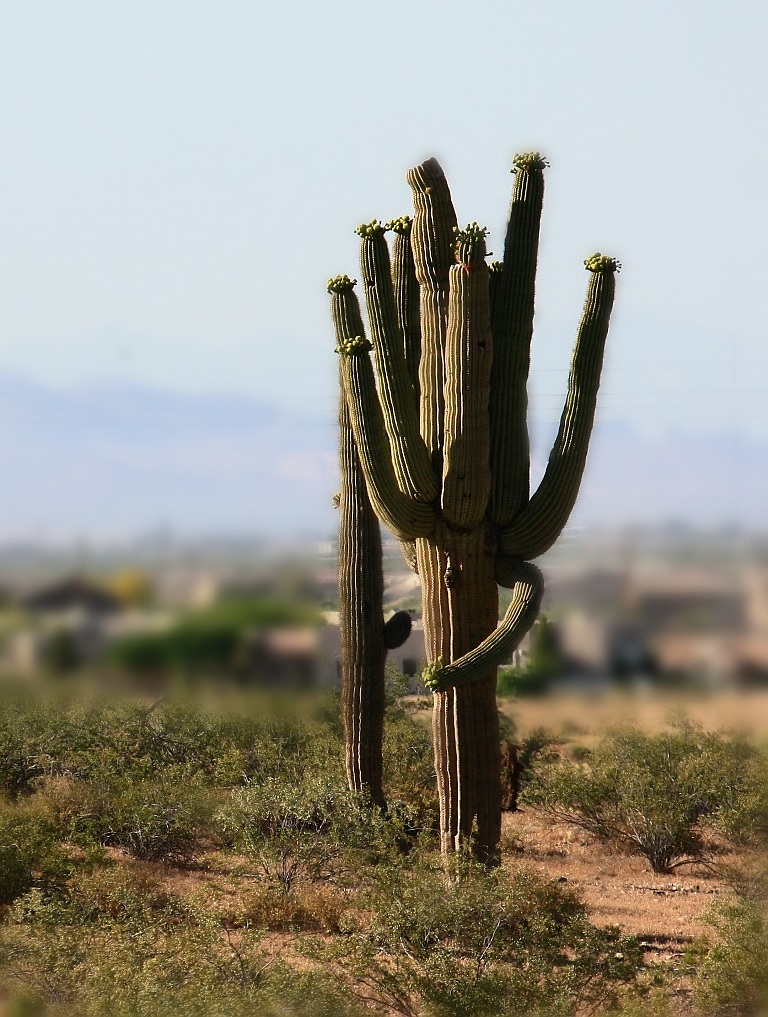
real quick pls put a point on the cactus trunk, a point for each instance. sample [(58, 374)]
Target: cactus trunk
[(461, 604)]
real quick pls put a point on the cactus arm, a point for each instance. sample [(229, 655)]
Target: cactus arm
[(496, 648), (405, 517), (361, 589), (468, 357), (413, 468), (432, 245), (513, 307), (408, 550), (540, 523), (397, 630), (406, 287), (345, 309)]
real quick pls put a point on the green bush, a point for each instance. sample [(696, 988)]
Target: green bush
[(156, 820), (313, 831), (545, 663), (659, 794), (731, 967), (209, 640), (31, 852), (409, 766), (115, 943), (15, 873), (481, 943)]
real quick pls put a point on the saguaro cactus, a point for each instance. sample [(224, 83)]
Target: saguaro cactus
[(445, 453), (365, 638)]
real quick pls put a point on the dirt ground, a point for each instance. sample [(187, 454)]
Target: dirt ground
[(665, 912)]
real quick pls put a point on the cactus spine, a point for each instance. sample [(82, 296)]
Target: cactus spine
[(455, 491), (365, 638)]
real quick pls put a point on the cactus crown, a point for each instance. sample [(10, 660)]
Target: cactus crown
[(340, 284), (529, 161), (469, 245), (354, 346), (401, 225), (602, 263), (368, 230)]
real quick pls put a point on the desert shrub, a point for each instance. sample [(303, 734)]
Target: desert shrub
[(580, 753), (479, 944), (409, 766), (155, 820), (308, 832), (31, 852), (730, 966), (307, 907), (537, 747), (15, 873), (116, 943), (657, 794), (92, 739)]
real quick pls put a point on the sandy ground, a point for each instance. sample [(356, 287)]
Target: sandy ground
[(618, 889)]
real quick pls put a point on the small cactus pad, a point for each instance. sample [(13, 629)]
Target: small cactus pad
[(397, 630), (402, 225), (367, 230), (528, 161), (602, 263), (340, 284), (354, 347)]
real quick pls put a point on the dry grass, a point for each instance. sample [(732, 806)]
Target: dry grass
[(581, 718)]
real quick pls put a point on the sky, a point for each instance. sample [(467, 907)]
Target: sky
[(179, 178)]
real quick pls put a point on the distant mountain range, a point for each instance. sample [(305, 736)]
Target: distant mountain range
[(103, 460), (115, 460)]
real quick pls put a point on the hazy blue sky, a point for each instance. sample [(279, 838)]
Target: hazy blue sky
[(179, 178)]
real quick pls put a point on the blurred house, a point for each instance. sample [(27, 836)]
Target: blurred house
[(68, 626), (409, 658), (701, 623)]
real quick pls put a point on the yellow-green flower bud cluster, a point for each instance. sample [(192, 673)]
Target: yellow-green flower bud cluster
[(528, 161), (602, 263), (402, 225), (368, 230), (496, 267), (340, 284), (354, 347), (430, 676), (469, 245)]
